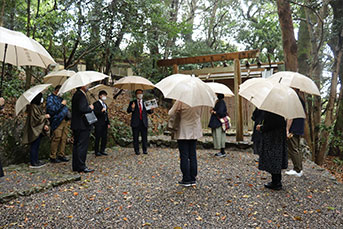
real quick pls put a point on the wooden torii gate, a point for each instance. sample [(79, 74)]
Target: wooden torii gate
[(236, 57)]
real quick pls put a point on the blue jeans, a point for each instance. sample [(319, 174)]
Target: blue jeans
[(188, 159), (34, 148)]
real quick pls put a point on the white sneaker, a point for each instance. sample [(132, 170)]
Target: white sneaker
[(299, 174), (291, 172)]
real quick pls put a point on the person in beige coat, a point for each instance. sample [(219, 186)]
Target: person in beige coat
[(188, 130)]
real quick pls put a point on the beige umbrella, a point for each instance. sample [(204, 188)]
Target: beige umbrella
[(58, 77), (94, 92), (133, 83), (221, 89), (20, 50), (28, 96), (275, 98), (81, 79), (250, 82), (187, 89), (295, 80)]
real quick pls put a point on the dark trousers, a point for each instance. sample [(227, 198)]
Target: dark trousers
[(141, 129), (276, 178), (34, 148), (188, 159), (100, 135), (80, 147), (1, 171)]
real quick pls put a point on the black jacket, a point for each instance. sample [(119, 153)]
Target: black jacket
[(135, 114), (221, 112), (79, 107), (101, 116)]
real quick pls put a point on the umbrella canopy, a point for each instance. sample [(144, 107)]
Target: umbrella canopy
[(58, 78), (94, 92), (187, 89), (28, 96), (22, 50), (296, 80), (221, 89), (133, 83), (81, 79), (250, 82), (275, 98)]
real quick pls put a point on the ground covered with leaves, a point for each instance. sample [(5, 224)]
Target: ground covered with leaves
[(141, 191)]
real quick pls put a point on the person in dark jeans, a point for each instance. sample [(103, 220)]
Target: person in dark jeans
[(81, 129), (37, 124), (189, 129), (139, 121), (103, 123)]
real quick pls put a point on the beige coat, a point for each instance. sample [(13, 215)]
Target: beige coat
[(190, 121)]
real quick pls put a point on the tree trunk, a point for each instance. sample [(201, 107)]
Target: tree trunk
[(288, 40), (329, 110), (28, 69), (2, 12)]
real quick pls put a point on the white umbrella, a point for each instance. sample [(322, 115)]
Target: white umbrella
[(221, 89), (187, 89), (275, 98), (133, 83), (20, 50), (250, 82), (58, 77), (94, 92), (295, 80), (28, 96), (81, 79)]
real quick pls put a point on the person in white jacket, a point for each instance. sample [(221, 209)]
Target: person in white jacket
[(189, 129)]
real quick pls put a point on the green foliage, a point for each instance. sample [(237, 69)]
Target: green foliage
[(119, 132)]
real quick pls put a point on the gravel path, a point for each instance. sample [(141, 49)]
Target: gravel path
[(129, 191)]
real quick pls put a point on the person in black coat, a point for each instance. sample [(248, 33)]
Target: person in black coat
[(139, 121), (81, 129), (219, 136), (101, 126), (273, 153)]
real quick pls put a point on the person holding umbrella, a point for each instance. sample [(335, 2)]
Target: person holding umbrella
[(139, 121), (58, 111), (273, 156), (37, 125), (103, 123), (219, 135), (81, 109), (81, 129)]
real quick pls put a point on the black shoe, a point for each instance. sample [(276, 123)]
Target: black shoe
[(185, 183), (98, 154), (137, 153), (272, 186), (220, 154), (63, 159), (55, 160), (87, 170), (104, 153), (145, 152), (37, 165)]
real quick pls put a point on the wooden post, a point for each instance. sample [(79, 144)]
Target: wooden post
[(175, 69), (238, 102)]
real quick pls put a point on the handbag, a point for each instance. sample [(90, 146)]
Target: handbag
[(91, 118), (226, 123)]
